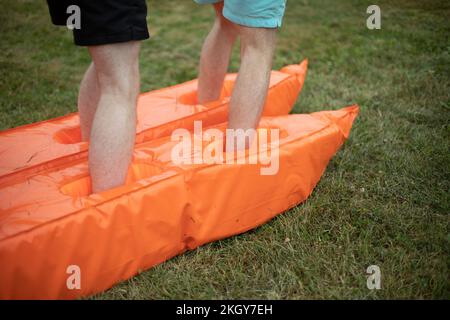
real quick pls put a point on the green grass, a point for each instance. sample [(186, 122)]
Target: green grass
[(384, 198)]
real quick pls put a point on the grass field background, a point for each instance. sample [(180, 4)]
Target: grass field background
[(384, 198)]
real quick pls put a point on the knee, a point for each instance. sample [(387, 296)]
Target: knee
[(122, 85), (117, 69), (226, 27), (259, 42)]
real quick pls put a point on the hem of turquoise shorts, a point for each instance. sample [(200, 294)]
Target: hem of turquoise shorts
[(252, 22)]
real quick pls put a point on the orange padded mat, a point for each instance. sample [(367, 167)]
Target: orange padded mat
[(50, 220), (48, 143)]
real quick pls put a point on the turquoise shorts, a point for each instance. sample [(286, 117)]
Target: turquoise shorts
[(252, 13)]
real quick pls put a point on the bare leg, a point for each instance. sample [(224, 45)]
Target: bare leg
[(250, 90), (215, 56), (114, 124), (87, 101), (252, 83)]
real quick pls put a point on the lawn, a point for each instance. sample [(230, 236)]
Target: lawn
[(384, 199)]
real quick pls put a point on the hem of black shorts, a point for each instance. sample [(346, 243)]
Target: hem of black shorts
[(109, 39)]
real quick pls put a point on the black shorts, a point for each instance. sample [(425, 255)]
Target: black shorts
[(103, 21)]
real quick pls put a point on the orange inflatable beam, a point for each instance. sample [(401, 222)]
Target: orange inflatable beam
[(39, 145), (49, 221)]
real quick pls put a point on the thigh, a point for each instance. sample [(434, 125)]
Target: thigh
[(255, 14), (218, 5), (257, 36)]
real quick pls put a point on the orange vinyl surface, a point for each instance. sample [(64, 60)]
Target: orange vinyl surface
[(49, 220), (38, 145)]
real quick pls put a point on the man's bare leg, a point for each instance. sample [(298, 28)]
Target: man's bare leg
[(88, 97), (252, 83), (250, 90), (215, 56), (114, 124)]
